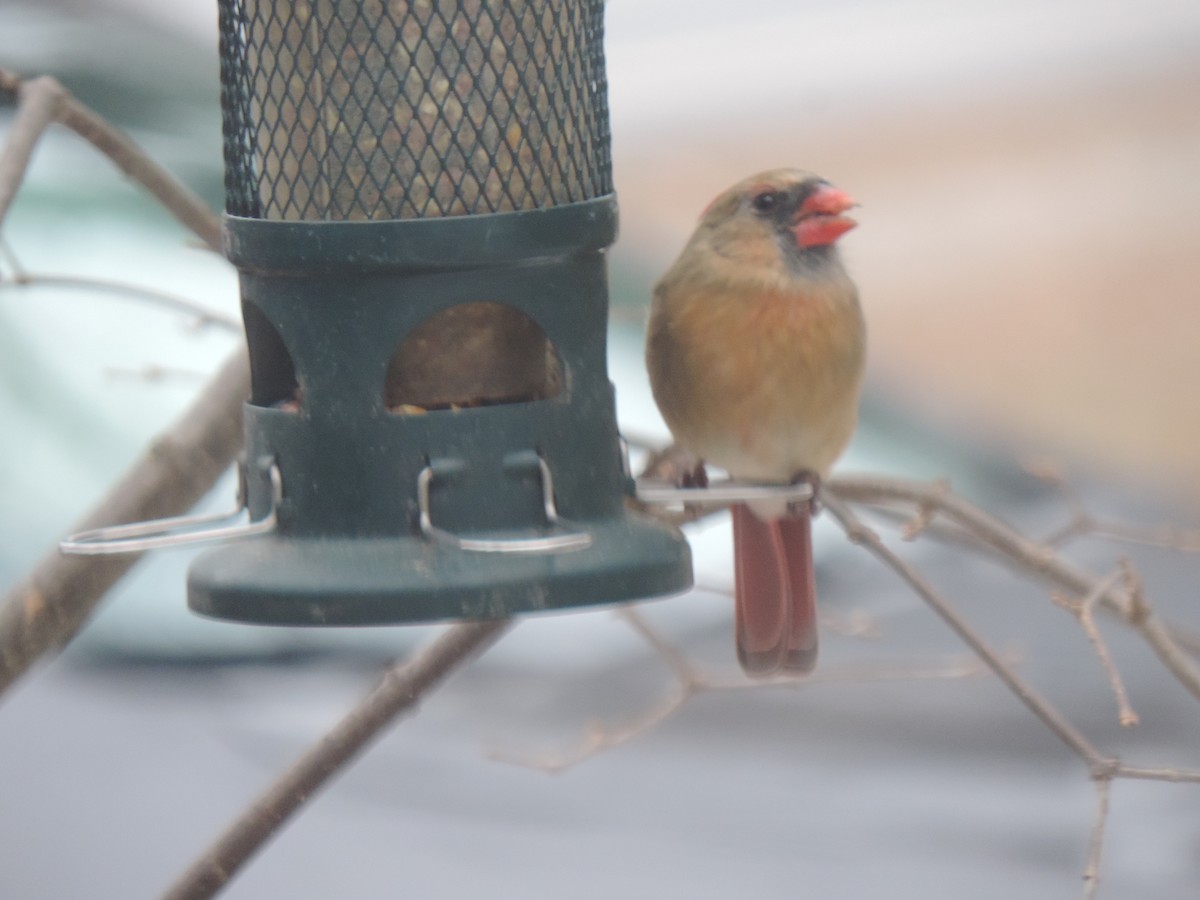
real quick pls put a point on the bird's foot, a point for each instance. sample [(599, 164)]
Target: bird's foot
[(813, 480), (695, 477), (676, 466)]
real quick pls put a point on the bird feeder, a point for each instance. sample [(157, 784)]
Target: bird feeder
[(419, 201)]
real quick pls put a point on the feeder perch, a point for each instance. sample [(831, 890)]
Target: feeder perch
[(418, 202)]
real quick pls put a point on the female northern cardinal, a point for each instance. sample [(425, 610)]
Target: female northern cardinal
[(755, 349)]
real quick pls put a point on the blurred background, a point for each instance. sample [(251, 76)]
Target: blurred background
[(1027, 256), (1030, 205)]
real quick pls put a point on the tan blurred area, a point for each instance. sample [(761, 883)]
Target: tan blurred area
[(1029, 259)]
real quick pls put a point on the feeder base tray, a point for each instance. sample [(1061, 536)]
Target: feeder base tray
[(276, 580)]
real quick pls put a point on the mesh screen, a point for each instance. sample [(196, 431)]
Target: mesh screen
[(394, 109)]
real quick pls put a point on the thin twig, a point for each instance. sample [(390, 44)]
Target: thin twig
[(1091, 872), (915, 526), (400, 690), (1166, 536), (597, 738), (690, 682), (1157, 634), (1050, 473), (942, 530), (1083, 610), (154, 373), (201, 314), (1176, 776), (1084, 523), (855, 623), (679, 663)]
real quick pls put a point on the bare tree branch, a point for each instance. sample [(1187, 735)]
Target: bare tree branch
[(1091, 873), (40, 105), (979, 531), (401, 689), (1083, 612), (48, 606), (859, 534), (1103, 769), (52, 102), (1037, 559), (1176, 776)]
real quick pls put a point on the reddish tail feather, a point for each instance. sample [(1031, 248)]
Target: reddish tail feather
[(776, 609)]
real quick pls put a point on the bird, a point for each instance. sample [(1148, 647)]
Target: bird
[(755, 348)]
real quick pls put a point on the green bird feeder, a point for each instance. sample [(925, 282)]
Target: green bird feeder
[(419, 201)]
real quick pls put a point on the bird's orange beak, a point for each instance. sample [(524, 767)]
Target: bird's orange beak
[(819, 221)]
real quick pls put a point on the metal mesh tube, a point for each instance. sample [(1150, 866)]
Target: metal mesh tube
[(341, 110)]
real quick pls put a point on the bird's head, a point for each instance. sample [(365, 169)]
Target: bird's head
[(789, 209)]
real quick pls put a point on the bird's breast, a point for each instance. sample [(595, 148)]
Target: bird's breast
[(762, 383)]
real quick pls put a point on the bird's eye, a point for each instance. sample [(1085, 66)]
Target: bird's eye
[(765, 202)]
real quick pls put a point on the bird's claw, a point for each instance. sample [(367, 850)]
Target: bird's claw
[(676, 466), (814, 482), (695, 477)]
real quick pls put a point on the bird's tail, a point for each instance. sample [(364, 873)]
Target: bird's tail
[(776, 607)]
